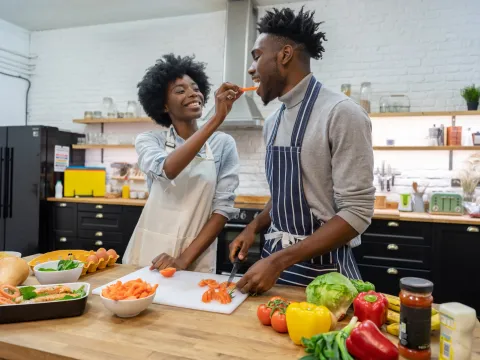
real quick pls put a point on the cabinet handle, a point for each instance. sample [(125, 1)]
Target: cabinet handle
[(99, 207), (63, 239), (473, 229), (392, 247), (393, 224), (99, 216), (392, 271), (98, 243), (62, 205), (99, 234)]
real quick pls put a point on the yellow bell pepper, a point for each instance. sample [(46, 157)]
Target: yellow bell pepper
[(305, 320)]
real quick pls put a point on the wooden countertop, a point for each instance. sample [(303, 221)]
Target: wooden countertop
[(258, 202), (160, 332)]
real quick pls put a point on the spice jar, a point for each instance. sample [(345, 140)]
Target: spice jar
[(415, 318), (365, 95)]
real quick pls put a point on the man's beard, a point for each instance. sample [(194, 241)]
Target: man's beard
[(275, 87)]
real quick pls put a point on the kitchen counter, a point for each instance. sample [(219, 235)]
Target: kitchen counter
[(160, 332), (258, 202)]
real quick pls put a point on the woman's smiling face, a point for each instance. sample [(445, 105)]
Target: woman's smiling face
[(184, 100)]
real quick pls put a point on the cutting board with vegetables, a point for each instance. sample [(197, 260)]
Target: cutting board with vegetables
[(182, 290)]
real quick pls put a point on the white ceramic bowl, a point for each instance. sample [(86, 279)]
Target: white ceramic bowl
[(127, 308), (57, 277)]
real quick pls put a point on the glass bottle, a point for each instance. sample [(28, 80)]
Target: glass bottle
[(131, 109), (366, 95), (346, 89)]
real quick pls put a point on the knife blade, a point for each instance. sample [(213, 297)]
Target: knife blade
[(236, 266)]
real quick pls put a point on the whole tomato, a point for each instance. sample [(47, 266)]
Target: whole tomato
[(279, 322), (263, 314)]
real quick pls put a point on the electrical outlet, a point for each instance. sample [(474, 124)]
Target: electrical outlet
[(456, 183)]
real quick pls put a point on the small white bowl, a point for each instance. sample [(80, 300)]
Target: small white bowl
[(127, 308), (57, 277)]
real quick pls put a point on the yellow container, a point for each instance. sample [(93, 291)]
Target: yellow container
[(84, 181)]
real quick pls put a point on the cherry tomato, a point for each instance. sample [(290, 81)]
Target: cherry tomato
[(277, 298), (263, 314), (279, 323)]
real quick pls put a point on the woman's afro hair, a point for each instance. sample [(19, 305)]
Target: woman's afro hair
[(300, 28), (152, 90)]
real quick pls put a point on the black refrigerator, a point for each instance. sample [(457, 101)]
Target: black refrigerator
[(27, 179)]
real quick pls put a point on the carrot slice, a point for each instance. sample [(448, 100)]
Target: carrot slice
[(251, 88), (9, 291), (168, 272)]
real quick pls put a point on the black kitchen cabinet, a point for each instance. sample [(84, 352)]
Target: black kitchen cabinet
[(457, 264), (64, 219)]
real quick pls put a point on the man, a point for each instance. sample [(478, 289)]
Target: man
[(319, 162)]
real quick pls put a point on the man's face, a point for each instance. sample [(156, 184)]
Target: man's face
[(266, 68)]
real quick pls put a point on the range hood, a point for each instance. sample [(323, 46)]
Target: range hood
[(241, 32)]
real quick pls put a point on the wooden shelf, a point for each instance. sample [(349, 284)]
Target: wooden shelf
[(95, 146), (426, 113), (428, 148), (114, 120), (134, 178)]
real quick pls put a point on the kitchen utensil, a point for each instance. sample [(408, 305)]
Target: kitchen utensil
[(182, 290), (418, 204), (405, 202), (446, 204), (236, 266)]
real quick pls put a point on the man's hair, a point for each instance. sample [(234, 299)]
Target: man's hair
[(152, 90), (300, 28)]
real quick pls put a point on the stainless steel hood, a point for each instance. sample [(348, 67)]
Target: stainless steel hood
[(241, 32)]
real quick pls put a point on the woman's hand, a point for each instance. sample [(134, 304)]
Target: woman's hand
[(164, 261), (225, 96)]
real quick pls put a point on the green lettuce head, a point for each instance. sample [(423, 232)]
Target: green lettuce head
[(334, 291)]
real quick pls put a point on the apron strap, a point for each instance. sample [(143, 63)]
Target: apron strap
[(170, 144)]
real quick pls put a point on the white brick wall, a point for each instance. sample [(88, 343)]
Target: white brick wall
[(425, 49)]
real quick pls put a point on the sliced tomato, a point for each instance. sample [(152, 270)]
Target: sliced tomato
[(279, 322), (263, 314), (168, 272)]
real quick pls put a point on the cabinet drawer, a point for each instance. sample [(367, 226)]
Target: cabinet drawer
[(66, 242), (393, 254), (396, 227), (65, 217), (99, 221), (109, 236), (387, 279), (115, 209), (97, 244)]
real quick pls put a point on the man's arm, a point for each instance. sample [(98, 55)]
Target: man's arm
[(244, 241)]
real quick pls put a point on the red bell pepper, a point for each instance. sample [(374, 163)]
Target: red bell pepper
[(366, 342), (371, 306)]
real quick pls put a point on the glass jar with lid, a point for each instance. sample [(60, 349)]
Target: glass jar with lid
[(394, 103), (346, 89), (132, 109), (366, 96)]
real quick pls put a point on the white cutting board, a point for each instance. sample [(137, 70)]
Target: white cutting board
[(182, 290)]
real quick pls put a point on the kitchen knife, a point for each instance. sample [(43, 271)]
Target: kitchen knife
[(236, 266)]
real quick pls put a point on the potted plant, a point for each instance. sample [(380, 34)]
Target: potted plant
[(471, 94), (469, 176)]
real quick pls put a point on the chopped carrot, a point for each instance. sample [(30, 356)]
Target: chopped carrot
[(131, 290), (251, 88), (168, 272)]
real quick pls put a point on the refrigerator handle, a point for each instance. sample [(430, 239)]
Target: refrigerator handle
[(1, 179), (6, 181), (10, 200)]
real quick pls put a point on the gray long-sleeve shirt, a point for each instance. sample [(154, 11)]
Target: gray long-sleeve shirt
[(336, 157), (151, 152)]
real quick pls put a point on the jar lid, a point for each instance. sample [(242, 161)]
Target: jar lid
[(416, 285)]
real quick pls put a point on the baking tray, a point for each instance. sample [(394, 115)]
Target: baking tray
[(46, 310), (80, 255)]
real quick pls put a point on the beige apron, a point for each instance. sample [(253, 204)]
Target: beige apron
[(175, 213)]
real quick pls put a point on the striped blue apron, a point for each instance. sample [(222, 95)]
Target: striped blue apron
[(292, 218)]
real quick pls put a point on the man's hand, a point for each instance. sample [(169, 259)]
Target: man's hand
[(164, 261), (242, 242), (260, 277)]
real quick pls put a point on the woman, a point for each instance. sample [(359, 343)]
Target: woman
[(192, 173)]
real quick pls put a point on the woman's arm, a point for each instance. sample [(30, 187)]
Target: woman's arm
[(178, 160)]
